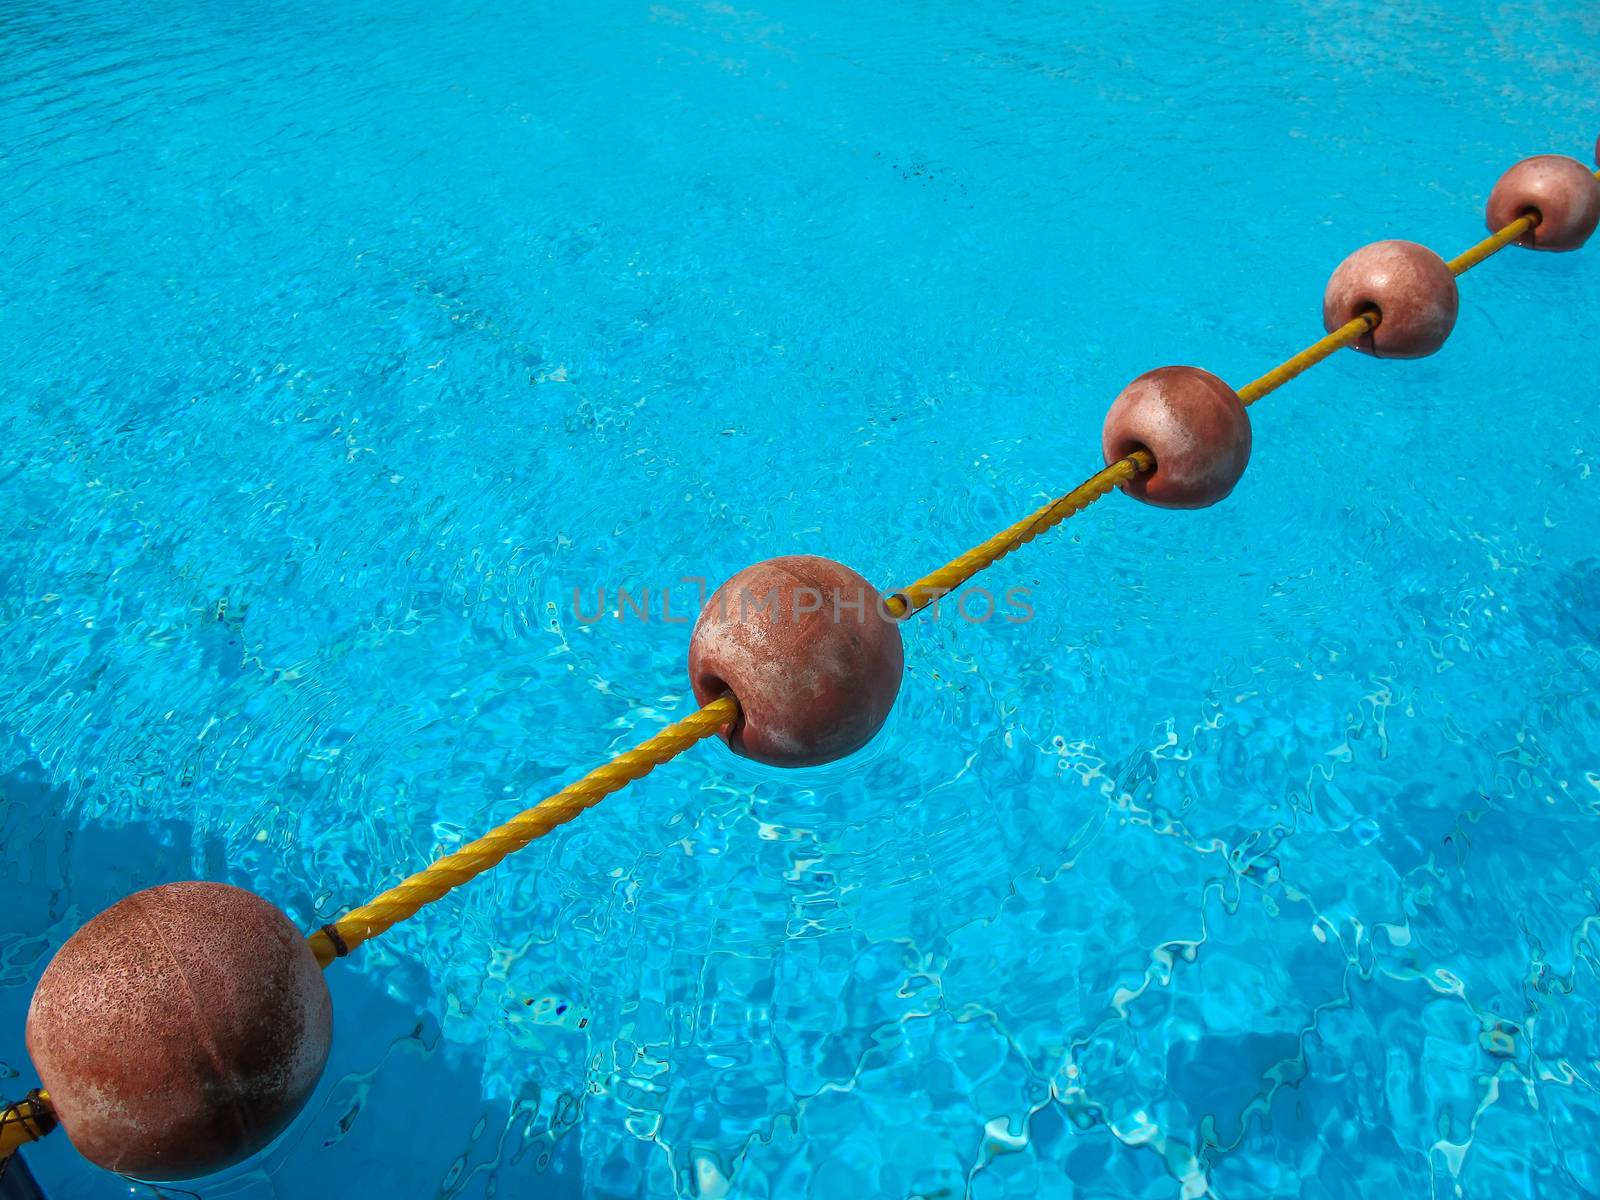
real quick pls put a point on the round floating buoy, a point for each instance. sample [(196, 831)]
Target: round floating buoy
[(180, 1031), (805, 646), (1564, 193), (1410, 286), (1192, 424)]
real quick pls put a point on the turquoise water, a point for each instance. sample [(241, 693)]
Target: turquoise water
[(342, 343)]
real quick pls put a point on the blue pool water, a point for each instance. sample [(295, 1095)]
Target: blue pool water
[(343, 342)]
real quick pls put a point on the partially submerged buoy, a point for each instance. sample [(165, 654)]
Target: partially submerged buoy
[(807, 649), (181, 1030)]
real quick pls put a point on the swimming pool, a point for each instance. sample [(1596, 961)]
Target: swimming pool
[(344, 344)]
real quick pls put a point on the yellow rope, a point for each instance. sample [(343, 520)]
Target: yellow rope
[(25, 1121), (1347, 334), (958, 570), (403, 900), (1495, 242)]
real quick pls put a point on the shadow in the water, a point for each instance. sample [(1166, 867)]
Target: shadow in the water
[(16, 1180), (400, 1113)]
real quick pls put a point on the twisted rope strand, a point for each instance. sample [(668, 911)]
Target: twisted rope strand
[(453, 870), (1494, 243), (1347, 334), (958, 570)]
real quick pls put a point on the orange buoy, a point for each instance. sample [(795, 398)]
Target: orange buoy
[(1192, 424), (805, 646), (181, 1030), (1564, 193), (1410, 286)]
